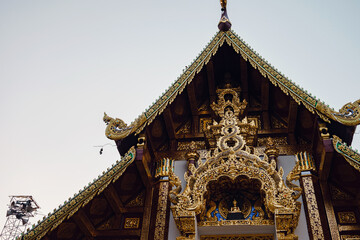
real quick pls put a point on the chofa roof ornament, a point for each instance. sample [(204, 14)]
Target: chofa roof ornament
[(224, 24)]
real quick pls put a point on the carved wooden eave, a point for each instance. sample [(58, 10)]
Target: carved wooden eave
[(350, 155), (81, 199), (349, 115)]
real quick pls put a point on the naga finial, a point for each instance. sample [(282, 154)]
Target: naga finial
[(224, 24)]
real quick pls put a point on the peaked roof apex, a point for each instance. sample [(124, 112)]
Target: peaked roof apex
[(348, 115)]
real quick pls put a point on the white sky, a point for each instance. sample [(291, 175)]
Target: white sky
[(63, 63)]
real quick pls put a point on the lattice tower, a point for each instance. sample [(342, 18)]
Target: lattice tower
[(21, 208)]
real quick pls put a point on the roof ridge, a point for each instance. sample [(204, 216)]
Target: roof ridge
[(348, 115)]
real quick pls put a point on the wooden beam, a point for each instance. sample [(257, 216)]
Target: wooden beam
[(327, 155), (348, 228), (170, 128), (194, 136), (244, 79), (265, 102), (345, 203), (115, 203), (143, 167), (292, 116), (113, 198), (211, 81), (145, 228), (149, 142), (119, 233), (274, 131), (193, 106), (84, 224), (330, 214)]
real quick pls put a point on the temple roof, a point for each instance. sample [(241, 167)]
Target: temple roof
[(81, 199), (349, 115), (350, 155)]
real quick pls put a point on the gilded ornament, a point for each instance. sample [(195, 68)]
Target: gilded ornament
[(239, 237), (312, 205), (349, 114), (276, 141), (131, 223), (184, 129), (350, 237), (235, 208), (347, 217), (185, 145), (324, 131), (232, 158), (116, 128), (305, 161), (138, 201), (351, 156), (162, 203), (223, 3), (163, 167), (271, 150)]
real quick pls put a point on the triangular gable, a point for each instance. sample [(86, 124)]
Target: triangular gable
[(79, 200), (349, 115)]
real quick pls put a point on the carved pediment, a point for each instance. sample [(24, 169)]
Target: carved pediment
[(233, 180)]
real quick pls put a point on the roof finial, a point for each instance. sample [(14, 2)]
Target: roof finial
[(224, 24)]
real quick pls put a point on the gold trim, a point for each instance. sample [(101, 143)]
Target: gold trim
[(131, 223), (160, 224), (237, 222), (163, 167), (347, 217), (80, 200), (348, 115), (312, 206), (238, 237), (351, 156)]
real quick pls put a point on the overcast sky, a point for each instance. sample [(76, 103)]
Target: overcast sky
[(63, 63)]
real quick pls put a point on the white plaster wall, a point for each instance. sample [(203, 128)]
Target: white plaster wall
[(287, 163), (180, 168)]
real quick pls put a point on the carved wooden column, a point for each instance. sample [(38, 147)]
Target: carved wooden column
[(317, 225), (161, 203)]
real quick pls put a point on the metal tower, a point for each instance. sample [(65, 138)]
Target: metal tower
[(21, 208)]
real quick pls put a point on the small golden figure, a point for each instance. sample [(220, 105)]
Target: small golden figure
[(235, 208)]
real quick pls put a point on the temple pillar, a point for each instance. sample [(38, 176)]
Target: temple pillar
[(161, 203), (317, 225)]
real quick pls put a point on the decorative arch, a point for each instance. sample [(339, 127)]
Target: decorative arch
[(232, 158)]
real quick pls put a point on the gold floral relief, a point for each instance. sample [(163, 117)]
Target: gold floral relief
[(131, 223), (160, 223), (312, 205), (231, 159), (350, 237), (347, 217)]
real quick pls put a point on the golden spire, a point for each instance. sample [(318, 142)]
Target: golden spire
[(223, 3)]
